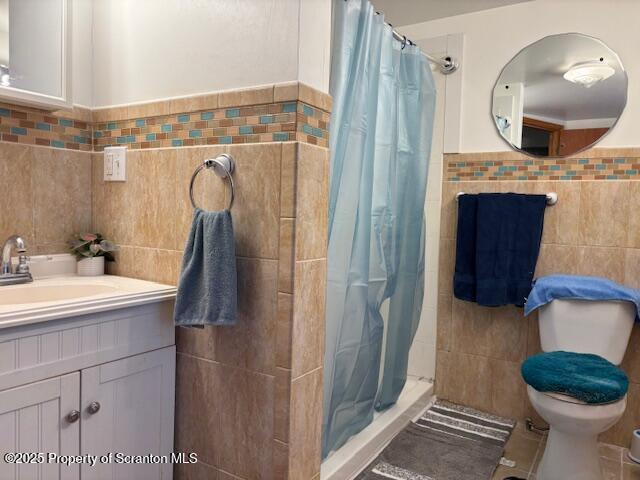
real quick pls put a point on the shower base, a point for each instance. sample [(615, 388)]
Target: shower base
[(350, 459)]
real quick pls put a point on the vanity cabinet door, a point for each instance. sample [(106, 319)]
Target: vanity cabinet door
[(127, 407), (41, 417)]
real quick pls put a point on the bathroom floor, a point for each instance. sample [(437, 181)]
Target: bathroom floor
[(526, 448)]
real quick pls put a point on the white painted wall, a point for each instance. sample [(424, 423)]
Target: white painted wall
[(152, 49), (494, 36), (314, 51)]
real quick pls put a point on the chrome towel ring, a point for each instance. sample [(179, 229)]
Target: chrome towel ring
[(223, 166)]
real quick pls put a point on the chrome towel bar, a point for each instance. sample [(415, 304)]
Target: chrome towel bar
[(552, 197), (223, 166)]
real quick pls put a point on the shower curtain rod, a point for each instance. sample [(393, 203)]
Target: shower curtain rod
[(447, 64)]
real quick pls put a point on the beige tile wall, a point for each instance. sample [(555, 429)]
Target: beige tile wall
[(249, 397), (592, 230), (45, 195)]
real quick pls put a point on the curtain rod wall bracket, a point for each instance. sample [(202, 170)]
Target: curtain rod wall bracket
[(448, 65)]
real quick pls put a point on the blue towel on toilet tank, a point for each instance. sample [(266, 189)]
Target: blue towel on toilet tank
[(207, 288), (497, 246), (576, 287)]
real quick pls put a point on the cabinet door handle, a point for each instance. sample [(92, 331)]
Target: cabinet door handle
[(73, 416), (93, 407)]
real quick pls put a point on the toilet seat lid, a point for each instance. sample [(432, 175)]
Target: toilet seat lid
[(584, 377)]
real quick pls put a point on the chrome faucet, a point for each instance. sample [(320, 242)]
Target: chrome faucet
[(22, 274)]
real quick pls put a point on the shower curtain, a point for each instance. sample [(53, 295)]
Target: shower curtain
[(381, 129)]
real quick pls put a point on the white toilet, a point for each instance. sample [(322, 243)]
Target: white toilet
[(601, 328)]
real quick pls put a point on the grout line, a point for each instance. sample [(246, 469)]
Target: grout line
[(621, 457), (306, 374), (535, 458), (311, 145), (64, 149), (309, 260), (228, 365), (222, 146)]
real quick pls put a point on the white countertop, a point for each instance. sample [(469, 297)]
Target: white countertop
[(69, 295)]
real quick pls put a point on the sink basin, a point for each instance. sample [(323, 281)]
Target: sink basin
[(57, 292), (51, 293)]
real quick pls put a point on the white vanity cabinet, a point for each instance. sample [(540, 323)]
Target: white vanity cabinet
[(99, 383), (135, 399), (30, 421)]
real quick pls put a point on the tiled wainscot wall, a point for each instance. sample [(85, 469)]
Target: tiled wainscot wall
[(45, 176), (249, 397), (594, 229)]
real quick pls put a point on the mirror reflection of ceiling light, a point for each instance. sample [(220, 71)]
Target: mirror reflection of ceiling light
[(589, 73)]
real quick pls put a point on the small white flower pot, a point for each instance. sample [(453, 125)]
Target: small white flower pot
[(90, 267)]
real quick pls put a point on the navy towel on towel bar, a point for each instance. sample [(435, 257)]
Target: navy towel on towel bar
[(497, 247)]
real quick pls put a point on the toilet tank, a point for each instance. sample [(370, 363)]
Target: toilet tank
[(584, 326)]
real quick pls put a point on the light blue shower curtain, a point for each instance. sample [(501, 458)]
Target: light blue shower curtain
[(381, 129)]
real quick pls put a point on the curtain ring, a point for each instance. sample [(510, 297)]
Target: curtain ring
[(404, 42)]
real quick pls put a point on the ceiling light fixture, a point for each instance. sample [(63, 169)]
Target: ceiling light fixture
[(589, 73)]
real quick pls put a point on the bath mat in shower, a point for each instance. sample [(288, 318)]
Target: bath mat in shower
[(449, 442)]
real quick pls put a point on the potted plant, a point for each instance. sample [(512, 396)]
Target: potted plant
[(91, 250)]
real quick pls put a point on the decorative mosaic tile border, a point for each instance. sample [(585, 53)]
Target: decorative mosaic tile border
[(274, 122), (571, 169), (313, 125), (34, 127), (289, 111)]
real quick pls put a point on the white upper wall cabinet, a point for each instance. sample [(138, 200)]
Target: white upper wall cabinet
[(35, 53)]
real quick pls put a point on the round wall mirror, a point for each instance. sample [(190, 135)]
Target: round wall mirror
[(559, 95)]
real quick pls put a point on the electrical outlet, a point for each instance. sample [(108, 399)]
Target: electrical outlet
[(115, 164), (108, 164)]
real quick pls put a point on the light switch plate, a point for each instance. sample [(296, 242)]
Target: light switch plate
[(115, 164)]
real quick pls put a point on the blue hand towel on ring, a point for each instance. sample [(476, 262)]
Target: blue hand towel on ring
[(208, 286)]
